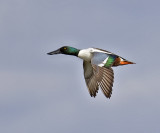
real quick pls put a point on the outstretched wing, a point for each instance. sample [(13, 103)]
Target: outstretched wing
[(96, 76)]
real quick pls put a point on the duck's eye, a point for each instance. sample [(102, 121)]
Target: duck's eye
[(64, 48)]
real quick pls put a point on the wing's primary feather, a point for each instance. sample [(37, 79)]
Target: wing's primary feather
[(96, 76), (107, 81)]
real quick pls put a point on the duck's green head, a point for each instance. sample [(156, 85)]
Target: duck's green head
[(65, 50)]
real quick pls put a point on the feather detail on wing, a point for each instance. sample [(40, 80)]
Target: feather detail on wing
[(96, 76)]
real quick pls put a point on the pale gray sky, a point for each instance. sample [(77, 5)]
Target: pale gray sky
[(41, 93)]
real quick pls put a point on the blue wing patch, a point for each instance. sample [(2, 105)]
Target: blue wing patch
[(98, 58), (103, 59)]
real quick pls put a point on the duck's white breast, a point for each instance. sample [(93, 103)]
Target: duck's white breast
[(86, 54)]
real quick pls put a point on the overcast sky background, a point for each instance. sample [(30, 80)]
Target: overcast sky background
[(41, 93)]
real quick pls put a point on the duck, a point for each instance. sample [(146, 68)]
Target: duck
[(97, 65)]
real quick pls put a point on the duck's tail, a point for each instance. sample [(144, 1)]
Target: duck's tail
[(125, 62), (121, 61)]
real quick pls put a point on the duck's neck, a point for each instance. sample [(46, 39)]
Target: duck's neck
[(85, 54)]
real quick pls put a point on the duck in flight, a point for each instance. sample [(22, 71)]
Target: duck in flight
[(97, 65)]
